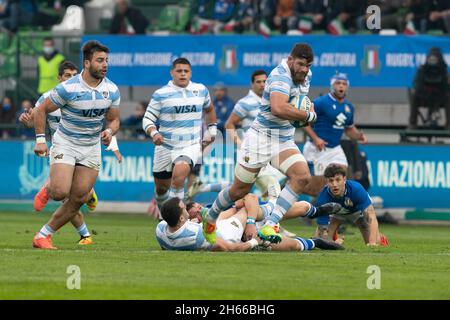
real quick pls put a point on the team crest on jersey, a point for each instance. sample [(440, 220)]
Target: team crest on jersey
[(105, 94), (195, 92), (348, 202), (347, 109)]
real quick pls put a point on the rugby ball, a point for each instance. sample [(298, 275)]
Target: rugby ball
[(301, 102)]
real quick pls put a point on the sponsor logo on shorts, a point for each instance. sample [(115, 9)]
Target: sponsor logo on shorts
[(59, 156), (246, 159), (233, 223)]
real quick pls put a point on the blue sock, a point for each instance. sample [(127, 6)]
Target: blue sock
[(305, 244), (323, 221), (222, 202), (267, 208), (83, 230), (286, 199), (311, 212), (214, 187)]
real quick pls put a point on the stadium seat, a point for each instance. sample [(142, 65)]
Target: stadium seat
[(72, 23)]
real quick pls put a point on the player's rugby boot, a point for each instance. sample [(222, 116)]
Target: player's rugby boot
[(85, 241), (41, 198), (269, 233), (43, 243), (92, 202)]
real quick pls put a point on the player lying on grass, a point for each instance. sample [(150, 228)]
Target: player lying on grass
[(356, 206), (178, 232)]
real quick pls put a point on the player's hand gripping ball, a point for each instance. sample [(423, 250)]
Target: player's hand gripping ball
[(301, 102)]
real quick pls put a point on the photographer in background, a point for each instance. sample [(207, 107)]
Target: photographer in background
[(430, 87)]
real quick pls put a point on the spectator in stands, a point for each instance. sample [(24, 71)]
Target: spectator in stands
[(3, 8), (48, 66), (212, 16), (135, 121), (18, 13), (416, 16), (7, 114), (350, 11), (224, 105), (26, 107), (280, 14), (439, 15), (128, 20), (430, 87), (311, 15)]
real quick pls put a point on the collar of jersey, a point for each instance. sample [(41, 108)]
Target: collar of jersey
[(172, 235), (286, 67), (98, 88), (252, 93), (171, 84)]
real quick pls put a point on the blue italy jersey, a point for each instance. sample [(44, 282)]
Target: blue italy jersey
[(179, 111), (188, 238), (332, 118), (83, 108), (279, 80), (355, 199)]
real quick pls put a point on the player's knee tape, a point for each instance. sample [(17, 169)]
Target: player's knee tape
[(286, 164), (245, 175)]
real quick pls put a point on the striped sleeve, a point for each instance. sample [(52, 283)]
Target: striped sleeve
[(39, 102), (207, 99), (280, 83), (153, 110), (59, 96), (115, 97), (241, 109)]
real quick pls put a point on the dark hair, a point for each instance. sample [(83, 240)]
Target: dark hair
[(303, 51), (93, 46), (257, 73), (48, 39), (180, 61), (334, 169), (189, 205), (66, 64), (171, 211)]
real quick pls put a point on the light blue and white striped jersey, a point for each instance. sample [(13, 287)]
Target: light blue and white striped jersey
[(279, 80), (83, 108), (179, 111), (247, 109), (189, 237), (53, 118)]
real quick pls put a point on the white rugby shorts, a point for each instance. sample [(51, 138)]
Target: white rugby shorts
[(65, 151), (164, 158), (230, 229), (322, 159), (258, 149)]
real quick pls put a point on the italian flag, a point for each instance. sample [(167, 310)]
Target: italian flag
[(229, 26), (410, 30), (264, 29), (305, 24), (371, 58), (335, 27), (230, 58)]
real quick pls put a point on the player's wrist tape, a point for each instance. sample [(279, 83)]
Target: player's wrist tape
[(212, 129), (153, 133), (110, 131), (40, 138), (250, 221), (253, 242), (311, 117)]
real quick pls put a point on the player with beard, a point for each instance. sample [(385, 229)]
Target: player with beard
[(75, 156), (270, 139)]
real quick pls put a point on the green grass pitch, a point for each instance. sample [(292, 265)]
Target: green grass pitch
[(126, 263)]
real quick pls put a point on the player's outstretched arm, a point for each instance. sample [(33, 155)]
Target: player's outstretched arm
[(370, 217), (230, 126), (355, 134), (211, 122), (281, 108)]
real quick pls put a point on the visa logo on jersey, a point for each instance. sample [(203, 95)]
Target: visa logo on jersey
[(185, 109), (94, 112)]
